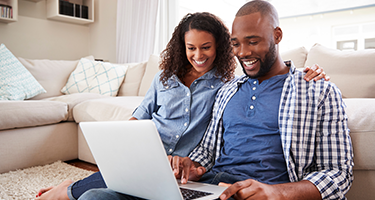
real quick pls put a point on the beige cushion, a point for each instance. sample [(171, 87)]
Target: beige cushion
[(108, 109), (17, 114), (352, 71), (51, 74), (297, 55), (73, 99), (151, 69), (361, 113), (133, 78), (361, 122)]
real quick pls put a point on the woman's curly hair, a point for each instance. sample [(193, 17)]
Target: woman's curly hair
[(174, 60)]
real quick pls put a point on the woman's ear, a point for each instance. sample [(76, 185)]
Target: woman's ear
[(278, 35)]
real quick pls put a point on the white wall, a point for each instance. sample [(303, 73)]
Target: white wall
[(36, 37), (103, 31)]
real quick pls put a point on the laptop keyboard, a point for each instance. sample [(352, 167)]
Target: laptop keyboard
[(193, 194)]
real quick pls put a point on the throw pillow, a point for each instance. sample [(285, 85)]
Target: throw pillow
[(95, 77), (132, 80), (352, 71), (152, 68), (297, 55), (16, 82)]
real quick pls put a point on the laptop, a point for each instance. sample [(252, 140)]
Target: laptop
[(132, 160)]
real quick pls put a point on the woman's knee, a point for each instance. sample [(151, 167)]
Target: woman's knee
[(105, 193)]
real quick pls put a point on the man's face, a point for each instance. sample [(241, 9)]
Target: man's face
[(253, 44)]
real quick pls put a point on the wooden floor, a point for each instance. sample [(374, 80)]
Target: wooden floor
[(83, 165)]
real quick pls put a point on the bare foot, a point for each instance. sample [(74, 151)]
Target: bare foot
[(43, 190), (56, 193)]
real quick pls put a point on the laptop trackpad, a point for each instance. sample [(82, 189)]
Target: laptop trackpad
[(203, 190)]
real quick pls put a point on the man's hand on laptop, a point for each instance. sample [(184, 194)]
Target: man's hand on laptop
[(185, 169)]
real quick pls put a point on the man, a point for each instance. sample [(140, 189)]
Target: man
[(272, 134), (303, 153)]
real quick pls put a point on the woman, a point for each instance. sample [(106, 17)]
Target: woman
[(197, 61)]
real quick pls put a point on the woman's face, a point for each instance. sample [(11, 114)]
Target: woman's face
[(200, 50)]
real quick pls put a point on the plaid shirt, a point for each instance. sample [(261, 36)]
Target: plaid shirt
[(314, 133)]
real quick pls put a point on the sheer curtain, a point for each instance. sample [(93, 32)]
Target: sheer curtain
[(166, 22), (136, 28)]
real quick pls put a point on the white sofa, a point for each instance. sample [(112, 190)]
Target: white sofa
[(44, 129), (27, 139)]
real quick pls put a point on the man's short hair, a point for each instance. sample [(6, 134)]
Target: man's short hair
[(263, 7)]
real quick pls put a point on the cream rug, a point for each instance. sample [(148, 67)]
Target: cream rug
[(24, 184)]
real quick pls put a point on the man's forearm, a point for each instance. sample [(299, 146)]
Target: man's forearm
[(299, 190)]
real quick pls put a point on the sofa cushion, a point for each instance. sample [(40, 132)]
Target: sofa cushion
[(18, 114), (51, 74), (73, 99), (95, 77), (297, 55), (108, 109), (352, 71), (152, 68), (133, 78), (16, 82), (361, 122)]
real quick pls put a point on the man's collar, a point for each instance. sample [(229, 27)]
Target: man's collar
[(288, 63)]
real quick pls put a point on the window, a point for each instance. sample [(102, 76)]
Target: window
[(349, 45), (370, 43), (304, 23), (355, 36)]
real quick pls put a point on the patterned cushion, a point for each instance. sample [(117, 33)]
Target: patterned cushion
[(95, 77), (16, 82)]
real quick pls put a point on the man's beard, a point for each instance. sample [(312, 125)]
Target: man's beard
[(266, 65)]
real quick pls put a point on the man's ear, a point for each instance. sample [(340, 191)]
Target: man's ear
[(278, 35)]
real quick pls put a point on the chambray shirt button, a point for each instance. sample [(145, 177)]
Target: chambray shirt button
[(254, 88), (188, 94), (166, 87), (195, 82), (186, 110), (251, 107), (253, 98), (212, 86), (170, 150), (177, 136), (255, 82), (185, 124)]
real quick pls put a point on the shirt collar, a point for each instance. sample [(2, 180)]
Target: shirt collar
[(288, 63), (174, 80)]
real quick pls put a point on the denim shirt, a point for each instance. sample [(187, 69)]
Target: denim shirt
[(181, 114)]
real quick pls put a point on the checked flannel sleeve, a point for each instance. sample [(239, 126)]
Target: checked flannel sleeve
[(316, 141), (333, 152)]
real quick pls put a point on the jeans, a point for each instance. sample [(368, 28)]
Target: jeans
[(105, 193), (76, 189)]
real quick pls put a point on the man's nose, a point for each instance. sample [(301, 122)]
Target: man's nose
[(244, 51)]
